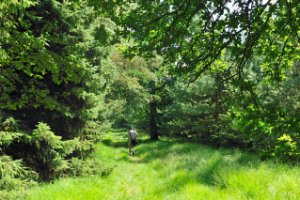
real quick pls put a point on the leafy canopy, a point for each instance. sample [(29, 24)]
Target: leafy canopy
[(195, 34)]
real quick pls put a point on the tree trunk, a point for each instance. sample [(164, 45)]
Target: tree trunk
[(217, 96), (153, 121)]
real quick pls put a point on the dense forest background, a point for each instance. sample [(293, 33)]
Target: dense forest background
[(219, 72)]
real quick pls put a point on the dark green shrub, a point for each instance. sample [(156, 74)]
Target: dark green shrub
[(49, 152), (10, 124), (54, 157), (44, 152), (93, 130)]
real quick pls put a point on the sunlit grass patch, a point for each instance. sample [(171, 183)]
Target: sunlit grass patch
[(172, 169)]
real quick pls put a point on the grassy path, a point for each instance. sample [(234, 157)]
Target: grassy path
[(176, 170)]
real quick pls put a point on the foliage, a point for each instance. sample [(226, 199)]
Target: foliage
[(45, 153), (251, 51), (53, 66), (269, 113), (10, 124), (195, 35), (286, 147), (251, 113), (51, 63), (129, 94), (79, 167), (189, 113), (13, 174), (49, 152), (8, 133)]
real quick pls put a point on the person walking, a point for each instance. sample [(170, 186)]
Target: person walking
[(132, 140)]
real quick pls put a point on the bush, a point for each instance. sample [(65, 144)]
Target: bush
[(6, 138), (26, 158), (43, 151), (79, 167), (10, 124), (14, 175), (48, 157), (94, 130), (286, 147), (54, 157)]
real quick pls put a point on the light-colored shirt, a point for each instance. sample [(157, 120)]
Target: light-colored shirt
[(132, 134)]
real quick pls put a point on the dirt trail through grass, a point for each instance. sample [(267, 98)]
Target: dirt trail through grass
[(170, 169)]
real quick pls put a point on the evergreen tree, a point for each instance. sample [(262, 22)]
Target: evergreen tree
[(52, 55)]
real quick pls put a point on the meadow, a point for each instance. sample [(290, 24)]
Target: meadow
[(173, 169)]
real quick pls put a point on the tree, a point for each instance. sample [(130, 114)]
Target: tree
[(135, 85), (53, 78), (195, 34), (52, 55)]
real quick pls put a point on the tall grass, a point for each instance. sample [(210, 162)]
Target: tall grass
[(170, 169)]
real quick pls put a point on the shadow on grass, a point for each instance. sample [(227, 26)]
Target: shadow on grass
[(122, 142), (116, 144), (187, 161), (193, 162), (186, 166)]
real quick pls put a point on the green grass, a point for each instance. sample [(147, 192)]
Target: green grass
[(170, 169)]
